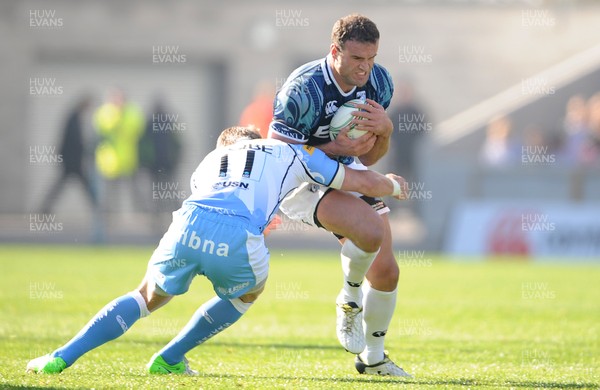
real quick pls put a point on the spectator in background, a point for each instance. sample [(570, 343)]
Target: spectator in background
[(119, 125), (592, 148), (160, 147), (411, 126), (575, 130), (73, 151), (498, 148), (537, 145), (259, 112), (533, 136)]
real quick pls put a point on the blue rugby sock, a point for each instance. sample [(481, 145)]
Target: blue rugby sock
[(210, 319), (109, 323)]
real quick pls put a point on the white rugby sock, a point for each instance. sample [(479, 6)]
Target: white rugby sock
[(240, 305), (378, 311), (144, 312), (355, 264)]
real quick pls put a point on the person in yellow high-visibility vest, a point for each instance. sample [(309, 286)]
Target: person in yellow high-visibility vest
[(120, 124)]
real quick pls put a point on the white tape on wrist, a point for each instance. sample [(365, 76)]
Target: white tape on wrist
[(397, 188)]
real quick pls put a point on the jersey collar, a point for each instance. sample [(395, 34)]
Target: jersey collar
[(330, 79)]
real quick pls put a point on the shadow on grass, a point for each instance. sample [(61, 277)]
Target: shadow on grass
[(247, 345), (277, 346), (508, 383), (366, 379), (358, 379), (25, 387), (552, 385), (416, 382)]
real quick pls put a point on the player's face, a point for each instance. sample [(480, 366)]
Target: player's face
[(352, 65)]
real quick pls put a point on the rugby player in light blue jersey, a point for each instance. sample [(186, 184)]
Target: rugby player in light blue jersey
[(218, 233), (303, 110)]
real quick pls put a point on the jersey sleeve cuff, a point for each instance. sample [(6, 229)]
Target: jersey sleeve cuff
[(338, 179)]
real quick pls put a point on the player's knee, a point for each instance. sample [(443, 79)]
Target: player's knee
[(249, 297), (371, 234), (253, 294), (144, 292), (154, 297), (141, 302)]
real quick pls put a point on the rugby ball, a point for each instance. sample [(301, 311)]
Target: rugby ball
[(342, 118)]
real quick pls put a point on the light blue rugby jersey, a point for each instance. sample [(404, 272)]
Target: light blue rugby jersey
[(250, 178), (310, 96)]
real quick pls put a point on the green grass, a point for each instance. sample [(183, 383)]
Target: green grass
[(457, 325)]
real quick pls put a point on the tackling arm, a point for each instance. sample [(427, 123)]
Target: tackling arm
[(374, 184), (320, 169)]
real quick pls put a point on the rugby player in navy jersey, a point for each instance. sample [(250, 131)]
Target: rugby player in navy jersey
[(303, 110), (218, 233)]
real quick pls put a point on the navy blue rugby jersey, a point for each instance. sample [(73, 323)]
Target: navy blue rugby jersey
[(310, 96)]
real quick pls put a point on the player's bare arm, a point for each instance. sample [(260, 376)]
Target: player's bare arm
[(374, 119), (374, 184)]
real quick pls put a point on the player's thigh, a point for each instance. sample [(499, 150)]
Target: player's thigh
[(245, 264), (346, 215), (384, 272)]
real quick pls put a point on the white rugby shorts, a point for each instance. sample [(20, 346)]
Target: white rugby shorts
[(301, 204)]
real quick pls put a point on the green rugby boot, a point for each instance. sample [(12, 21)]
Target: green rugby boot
[(47, 365), (157, 365)]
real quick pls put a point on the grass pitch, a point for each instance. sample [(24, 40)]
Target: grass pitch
[(457, 325)]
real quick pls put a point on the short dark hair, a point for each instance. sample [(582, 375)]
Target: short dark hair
[(354, 28), (231, 135)]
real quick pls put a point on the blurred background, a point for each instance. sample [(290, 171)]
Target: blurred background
[(496, 114)]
